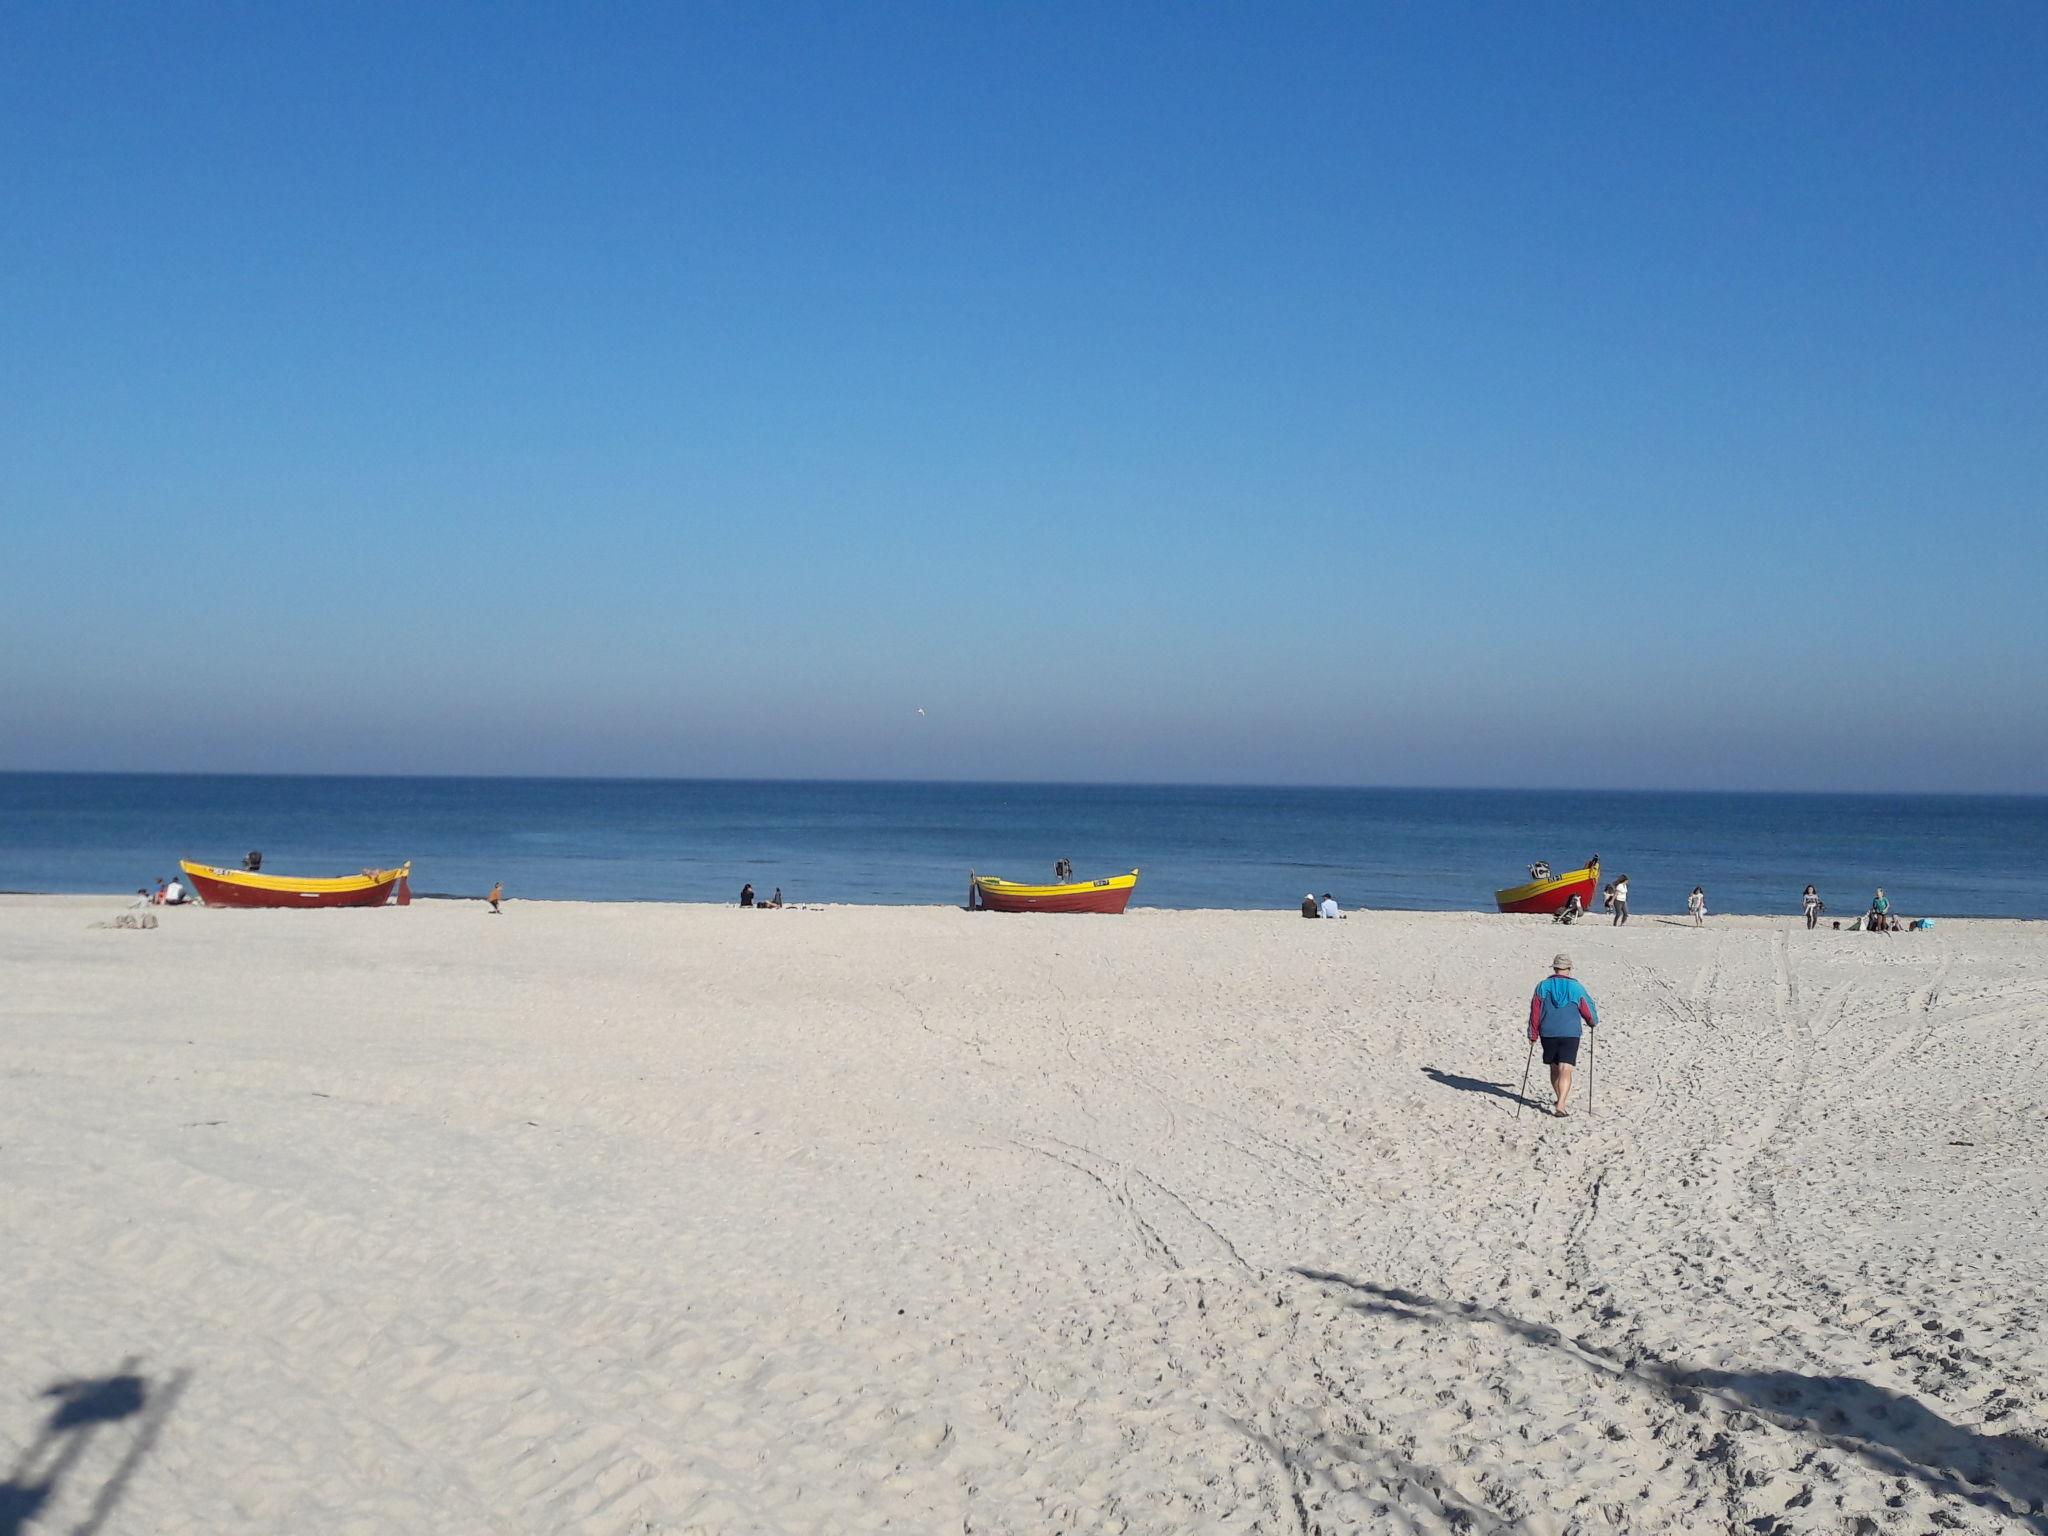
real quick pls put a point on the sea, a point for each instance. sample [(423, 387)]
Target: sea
[(1240, 847)]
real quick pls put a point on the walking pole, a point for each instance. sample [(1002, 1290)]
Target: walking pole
[(1522, 1098), (1589, 1074)]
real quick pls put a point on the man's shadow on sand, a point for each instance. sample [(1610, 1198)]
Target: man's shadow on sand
[(81, 1408), (1478, 1085), (1897, 1434)]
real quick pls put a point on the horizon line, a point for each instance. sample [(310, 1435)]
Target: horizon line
[(972, 783)]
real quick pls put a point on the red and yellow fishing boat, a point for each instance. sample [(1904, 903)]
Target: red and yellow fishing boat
[(1110, 895), (246, 888), (1550, 895)]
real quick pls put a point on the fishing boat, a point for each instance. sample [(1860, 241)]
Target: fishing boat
[(1549, 895), (992, 895), (246, 888)]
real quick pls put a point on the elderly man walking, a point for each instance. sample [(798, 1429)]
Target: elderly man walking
[(1558, 1012)]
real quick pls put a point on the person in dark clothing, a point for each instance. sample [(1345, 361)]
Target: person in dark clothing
[(747, 894), (1308, 905)]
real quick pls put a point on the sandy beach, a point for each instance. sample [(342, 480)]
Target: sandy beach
[(662, 1218)]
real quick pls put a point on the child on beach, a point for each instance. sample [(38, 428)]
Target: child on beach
[(1812, 905), (497, 894), (1696, 904)]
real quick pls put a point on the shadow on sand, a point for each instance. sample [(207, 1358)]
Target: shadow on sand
[(1896, 1434), (81, 1409), (1479, 1085)]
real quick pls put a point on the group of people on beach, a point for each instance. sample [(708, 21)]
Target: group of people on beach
[(1613, 898), (747, 897), (168, 894), (1879, 919)]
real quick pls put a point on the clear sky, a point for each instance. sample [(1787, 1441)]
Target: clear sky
[(1644, 395)]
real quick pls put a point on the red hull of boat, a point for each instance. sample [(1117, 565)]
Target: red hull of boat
[(1554, 899), (1077, 901), (219, 893)]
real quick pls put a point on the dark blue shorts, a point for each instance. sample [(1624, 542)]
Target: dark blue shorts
[(1560, 1049)]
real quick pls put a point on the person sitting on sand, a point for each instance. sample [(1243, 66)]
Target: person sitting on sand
[(1328, 906), (174, 893), (141, 897), (747, 894), (497, 894), (158, 898), (1308, 905), (1570, 912), (776, 899), (1559, 1010), (1696, 904)]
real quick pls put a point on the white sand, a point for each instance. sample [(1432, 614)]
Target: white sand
[(664, 1218)]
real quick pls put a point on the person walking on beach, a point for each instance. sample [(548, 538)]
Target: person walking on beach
[(1620, 902), (497, 894), (1696, 904), (1559, 1010), (1812, 905)]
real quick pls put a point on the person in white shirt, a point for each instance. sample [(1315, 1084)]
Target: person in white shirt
[(174, 894), (1696, 904), (1620, 901), (1329, 906)]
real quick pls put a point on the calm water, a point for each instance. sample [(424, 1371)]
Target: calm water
[(653, 840)]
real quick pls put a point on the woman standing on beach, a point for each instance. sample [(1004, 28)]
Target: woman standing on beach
[(1810, 902), (1696, 904), (1620, 901)]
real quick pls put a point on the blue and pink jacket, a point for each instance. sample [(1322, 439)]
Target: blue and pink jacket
[(1561, 1008)]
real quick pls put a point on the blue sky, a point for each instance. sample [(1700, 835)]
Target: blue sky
[(1646, 396)]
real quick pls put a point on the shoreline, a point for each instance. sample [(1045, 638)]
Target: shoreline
[(1585, 924)]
